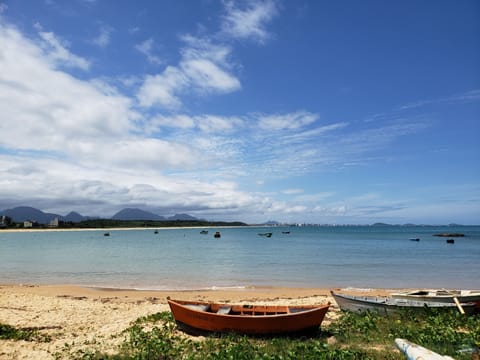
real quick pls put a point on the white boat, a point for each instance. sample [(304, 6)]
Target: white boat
[(447, 296), (387, 304), (413, 351)]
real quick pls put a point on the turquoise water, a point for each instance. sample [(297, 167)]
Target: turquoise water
[(353, 256)]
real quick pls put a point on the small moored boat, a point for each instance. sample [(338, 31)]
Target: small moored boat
[(386, 304), (269, 234), (194, 316), (217, 234), (106, 234), (204, 232)]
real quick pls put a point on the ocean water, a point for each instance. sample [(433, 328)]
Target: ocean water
[(345, 256)]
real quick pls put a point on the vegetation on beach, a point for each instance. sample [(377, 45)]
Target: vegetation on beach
[(351, 336), (8, 332)]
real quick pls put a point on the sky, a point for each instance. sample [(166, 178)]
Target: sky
[(327, 112)]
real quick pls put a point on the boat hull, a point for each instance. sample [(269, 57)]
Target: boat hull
[(250, 320)]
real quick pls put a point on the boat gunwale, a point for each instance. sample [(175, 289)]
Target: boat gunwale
[(306, 309)]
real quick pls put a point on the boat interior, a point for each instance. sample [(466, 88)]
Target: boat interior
[(244, 310)]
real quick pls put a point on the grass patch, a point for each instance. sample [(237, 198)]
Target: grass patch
[(445, 332), (8, 332)]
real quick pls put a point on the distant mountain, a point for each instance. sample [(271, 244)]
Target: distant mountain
[(136, 214), (271, 222), (24, 213), (381, 224), (182, 217), (75, 217)]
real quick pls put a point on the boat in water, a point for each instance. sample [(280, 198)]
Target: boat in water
[(387, 304), (197, 317), (413, 351), (204, 232), (268, 234), (217, 234)]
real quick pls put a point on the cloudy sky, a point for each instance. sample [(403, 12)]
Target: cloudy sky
[(295, 111)]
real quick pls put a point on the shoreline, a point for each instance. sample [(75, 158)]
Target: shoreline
[(94, 319), (159, 228)]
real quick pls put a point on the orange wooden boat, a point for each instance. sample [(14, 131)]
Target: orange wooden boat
[(195, 316)]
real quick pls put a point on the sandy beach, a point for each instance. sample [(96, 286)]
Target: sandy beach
[(89, 318)]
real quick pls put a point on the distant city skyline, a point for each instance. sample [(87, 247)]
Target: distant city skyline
[(293, 111)]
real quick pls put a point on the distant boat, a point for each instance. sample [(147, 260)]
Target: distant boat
[(450, 241), (156, 231), (217, 234), (204, 232), (413, 351), (106, 234), (414, 239), (266, 234), (385, 304), (285, 232), (197, 317)]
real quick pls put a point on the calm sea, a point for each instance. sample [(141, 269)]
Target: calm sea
[(353, 256)]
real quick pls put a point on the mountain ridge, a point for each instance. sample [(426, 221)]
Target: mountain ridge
[(28, 213)]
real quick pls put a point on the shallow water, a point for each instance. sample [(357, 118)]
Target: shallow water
[(356, 256)]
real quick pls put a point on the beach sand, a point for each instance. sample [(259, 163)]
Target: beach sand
[(78, 318)]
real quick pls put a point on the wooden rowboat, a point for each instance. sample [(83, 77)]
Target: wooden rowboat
[(413, 351), (194, 316), (385, 304)]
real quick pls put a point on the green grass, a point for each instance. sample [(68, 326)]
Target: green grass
[(8, 332), (357, 336)]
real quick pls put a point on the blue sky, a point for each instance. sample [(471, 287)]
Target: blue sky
[(296, 111)]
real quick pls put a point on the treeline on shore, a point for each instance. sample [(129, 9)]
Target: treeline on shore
[(112, 223)]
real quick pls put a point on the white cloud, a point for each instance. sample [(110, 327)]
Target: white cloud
[(57, 52), (469, 96), (208, 76), (146, 48), (287, 121), (174, 121), (162, 89), (211, 123), (103, 39), (292, 191), (203, 68), (250, 22)]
